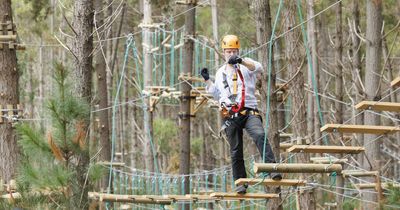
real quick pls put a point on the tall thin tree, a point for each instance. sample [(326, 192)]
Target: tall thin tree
[(8, 96), (262, 12), (184, 167), (296, 91), (82, 48), (372, 77)]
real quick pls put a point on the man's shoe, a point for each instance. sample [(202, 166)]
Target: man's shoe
[(241, 189), (276, 176)]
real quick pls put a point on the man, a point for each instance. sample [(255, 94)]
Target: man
[(236, 83)]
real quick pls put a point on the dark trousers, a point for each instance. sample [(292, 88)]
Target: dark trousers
[(234, 132)]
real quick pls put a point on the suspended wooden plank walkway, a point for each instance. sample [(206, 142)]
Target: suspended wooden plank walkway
[(359, 173), (325, 149), (130, 198), (379, 106), (395, 82), (246, 196), (328, 160), (371, 129), (384, 185), (297, 168), (271, 182)]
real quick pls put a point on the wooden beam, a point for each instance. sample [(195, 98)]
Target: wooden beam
[(325, 149), (129, 198), (285, 135), (358, 173), (395, 82), (244, 196), (200, 197), (379, 106), (6, 38), (271, 182), (297, 168), (328, 160), (371, 129)]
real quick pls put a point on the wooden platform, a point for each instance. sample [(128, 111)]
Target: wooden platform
[(395, 82), (243, 196), (358, 173), (325, 149), (373, 185), (328, 160), (130, 198), (271, 182), (371, 129), (297, 168), (379, 106)]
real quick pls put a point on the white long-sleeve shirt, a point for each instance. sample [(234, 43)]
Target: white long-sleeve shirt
[(212, 89), (224, 84)]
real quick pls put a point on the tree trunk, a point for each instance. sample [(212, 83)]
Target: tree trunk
[(262, 11), (100, 66), (296, 91), (147, 78), (339, 95), (9, 96), (184, 167), (372, 89), (356, 75), (82, 48)]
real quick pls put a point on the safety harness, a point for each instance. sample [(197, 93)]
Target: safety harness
[(239, 107)]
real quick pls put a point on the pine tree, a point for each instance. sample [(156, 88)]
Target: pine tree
[(47, 173)]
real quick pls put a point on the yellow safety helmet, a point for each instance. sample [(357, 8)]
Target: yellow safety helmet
[(230, 41)]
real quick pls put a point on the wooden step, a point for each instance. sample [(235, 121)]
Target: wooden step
[(325, 149), (395, 82), (271, 182), (379, 106), (372, 129), (244, 196), (328, 160), (358, 173), (384, 185), (297, 168), (129, 198)]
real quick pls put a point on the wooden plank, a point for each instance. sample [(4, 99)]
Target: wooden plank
[(297, 168), (371, 129), (358, 173), (176, 198), (325, 149), (384, 185), (6, 38), (285, 135), (271, 182), (395, 82), (379, 106), (328, 160), (244, 196), (200, 197), (129, 198)]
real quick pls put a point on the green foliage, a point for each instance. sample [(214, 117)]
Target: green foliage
[(165, 133), (50, 162), (349, 204), (394, 196)]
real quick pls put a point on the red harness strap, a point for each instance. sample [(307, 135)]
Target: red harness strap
[(241, 105)]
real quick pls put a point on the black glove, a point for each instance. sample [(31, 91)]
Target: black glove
[(204, 74), (234, 59)]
